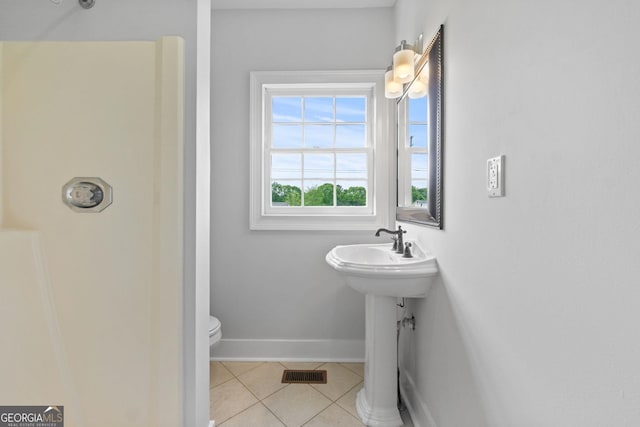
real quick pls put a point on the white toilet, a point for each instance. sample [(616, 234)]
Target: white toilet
[(215, 331)]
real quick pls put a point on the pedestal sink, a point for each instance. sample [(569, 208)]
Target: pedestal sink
[(383, 276)]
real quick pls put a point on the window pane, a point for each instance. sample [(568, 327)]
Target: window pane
[(318, 136), (418, 110), (419, 166), (318, 166), (286, 166), (351, 193), (318, 193), (350, 136), (286, 109), (351, 166), (318, 109), (417, 136), (286, 136), (419, 193), (350, 109), (286, 193)]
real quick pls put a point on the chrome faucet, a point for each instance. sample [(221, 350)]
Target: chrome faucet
[(398, 246)]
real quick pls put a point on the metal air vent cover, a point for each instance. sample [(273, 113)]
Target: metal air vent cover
[(304, 376)]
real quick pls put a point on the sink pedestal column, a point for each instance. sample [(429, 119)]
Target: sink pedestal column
[(377, 401)]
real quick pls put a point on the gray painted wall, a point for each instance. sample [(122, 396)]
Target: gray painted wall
[(535, 320), (266, 284)]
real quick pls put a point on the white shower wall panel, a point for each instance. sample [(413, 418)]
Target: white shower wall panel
[(28, 350), (111, 110)]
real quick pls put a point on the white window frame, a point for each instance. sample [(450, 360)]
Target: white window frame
[(378, 211)]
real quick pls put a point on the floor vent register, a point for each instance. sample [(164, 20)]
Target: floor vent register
[(295, 376)]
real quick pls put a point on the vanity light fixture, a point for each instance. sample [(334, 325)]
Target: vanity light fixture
[(403, 70)]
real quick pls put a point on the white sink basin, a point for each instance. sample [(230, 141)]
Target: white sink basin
[(376, 269)]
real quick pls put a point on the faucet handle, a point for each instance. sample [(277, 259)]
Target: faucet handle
[(407, 250)]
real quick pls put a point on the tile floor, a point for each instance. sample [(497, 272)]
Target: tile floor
[(250, 394)]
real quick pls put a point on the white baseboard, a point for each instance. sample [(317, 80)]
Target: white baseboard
[(212, 423), (416, 405), (289, 350)]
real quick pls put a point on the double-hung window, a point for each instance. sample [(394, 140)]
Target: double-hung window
[(319, 153)]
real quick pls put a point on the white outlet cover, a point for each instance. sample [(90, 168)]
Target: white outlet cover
[(495, 176)]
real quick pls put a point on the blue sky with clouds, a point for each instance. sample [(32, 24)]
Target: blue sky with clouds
[(324, 123)]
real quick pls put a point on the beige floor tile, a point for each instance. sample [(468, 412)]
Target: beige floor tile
[(339, 381), (296, 404), (264, 380), (301, 365), (239, 368), (348, 400), (255, 416), (218, 374), (229, 399), (334, 416), (358, 368)]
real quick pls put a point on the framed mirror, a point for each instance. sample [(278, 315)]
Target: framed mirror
[(420, 140)]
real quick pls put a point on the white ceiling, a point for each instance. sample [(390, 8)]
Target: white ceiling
[(300, 4)]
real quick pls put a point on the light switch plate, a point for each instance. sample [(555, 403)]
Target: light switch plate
[(495, 176)]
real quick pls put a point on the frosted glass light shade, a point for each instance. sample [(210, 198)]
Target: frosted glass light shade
[(419, 86), (418, 89), (392, 88), (403, 65)]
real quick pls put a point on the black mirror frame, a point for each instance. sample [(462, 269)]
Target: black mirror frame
[(432, 214)]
